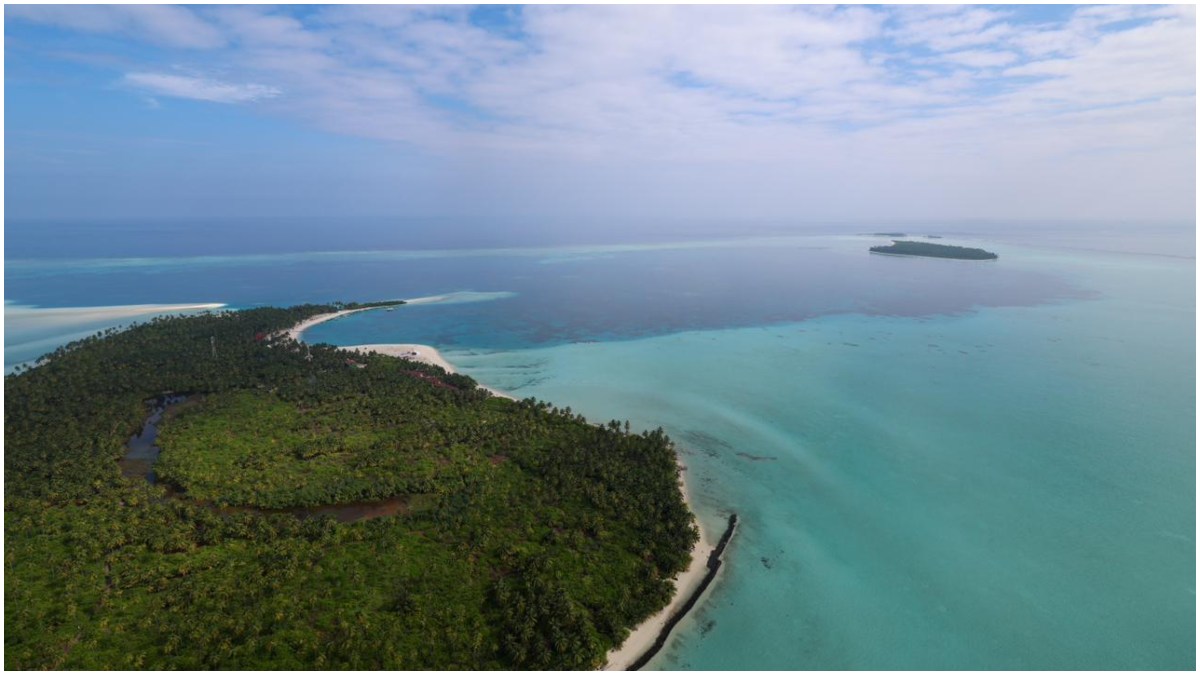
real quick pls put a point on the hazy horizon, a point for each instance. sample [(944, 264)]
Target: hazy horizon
[(182, 238)]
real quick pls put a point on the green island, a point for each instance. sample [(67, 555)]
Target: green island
[(526, 537), (928, 250)]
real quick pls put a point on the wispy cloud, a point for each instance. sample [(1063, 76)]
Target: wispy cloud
[(198, 88), (966, 27), (166, 25), (981, 58), (826, 94)]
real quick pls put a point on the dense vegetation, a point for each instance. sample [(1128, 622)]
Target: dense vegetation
[(251, 448), (928, 250), (541, 538)]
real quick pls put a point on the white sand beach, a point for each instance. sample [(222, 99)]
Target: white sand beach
[(424, 354), (295, 331), (413, 352), (643, 637)]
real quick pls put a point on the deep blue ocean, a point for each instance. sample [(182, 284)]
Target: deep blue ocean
[(939, 464)]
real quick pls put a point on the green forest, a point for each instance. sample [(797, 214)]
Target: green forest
[(928, 250), (530, 539)]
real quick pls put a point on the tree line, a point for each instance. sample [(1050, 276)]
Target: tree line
[(535, 539)]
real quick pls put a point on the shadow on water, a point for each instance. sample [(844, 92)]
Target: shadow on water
[(142, 452)]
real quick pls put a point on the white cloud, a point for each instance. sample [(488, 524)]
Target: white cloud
[(898, 98), (198, 88), (1151, 61), (952, 30), (253, 26), (980, 58), (766, 52), (167, 25)]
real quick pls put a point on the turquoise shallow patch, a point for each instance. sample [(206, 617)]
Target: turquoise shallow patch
[(1007, 488)]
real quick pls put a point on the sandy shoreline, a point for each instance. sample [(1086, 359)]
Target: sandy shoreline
[(412, 352), (423, 353), (295, 331), (643, 637)]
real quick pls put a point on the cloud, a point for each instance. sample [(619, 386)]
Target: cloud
[(951, 30), (894, 97), (1152, 61), (258, 28), (198, 88), (979, 58), (166, 25), (653, 79)]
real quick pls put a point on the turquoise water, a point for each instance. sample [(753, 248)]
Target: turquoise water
[(938, 464), (1010, 488)]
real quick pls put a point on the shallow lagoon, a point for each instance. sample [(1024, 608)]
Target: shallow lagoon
[(939, 464), (1007, 487)]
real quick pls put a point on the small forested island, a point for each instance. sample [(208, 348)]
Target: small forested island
[(516, 535), (928, 250)]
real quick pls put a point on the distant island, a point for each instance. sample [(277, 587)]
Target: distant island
[(888, 234), (319, 508), (928, 250)]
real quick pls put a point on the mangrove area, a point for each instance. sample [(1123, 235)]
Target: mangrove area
[(507, 534)]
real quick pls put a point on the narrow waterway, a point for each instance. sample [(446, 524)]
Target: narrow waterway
[(142, 453)]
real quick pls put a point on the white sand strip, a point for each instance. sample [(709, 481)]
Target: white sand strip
[(412, 352), (295, 331), (643, 637), (33, 332), (459, 297), (422, 353), (415, 352), (56, 316)]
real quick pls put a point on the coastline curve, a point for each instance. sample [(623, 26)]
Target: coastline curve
[(647, 638)]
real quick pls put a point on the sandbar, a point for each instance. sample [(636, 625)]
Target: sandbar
[(40, 317)]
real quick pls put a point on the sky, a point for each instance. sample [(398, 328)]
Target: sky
[(797, 113)]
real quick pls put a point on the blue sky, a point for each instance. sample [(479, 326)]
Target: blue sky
[(806, 113)]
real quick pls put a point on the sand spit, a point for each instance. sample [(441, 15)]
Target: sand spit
[(414, 352), (59, 316), (295, 331)]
